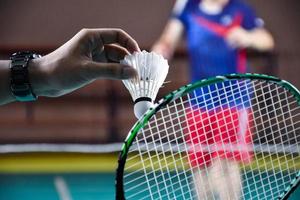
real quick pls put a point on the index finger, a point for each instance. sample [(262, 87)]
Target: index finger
[(111, 35)]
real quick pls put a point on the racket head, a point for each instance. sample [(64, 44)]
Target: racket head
[(171, 98)]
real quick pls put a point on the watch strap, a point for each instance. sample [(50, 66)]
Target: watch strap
[(20, 82)]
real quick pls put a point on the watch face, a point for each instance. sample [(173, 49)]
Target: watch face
[(23, 54), (34, 56)]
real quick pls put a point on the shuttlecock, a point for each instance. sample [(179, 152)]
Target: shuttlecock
[(152, 70)]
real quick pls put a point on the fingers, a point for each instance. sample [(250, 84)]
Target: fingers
[(123, 38), (115, 53), (95, 70), (110, 53), (238, 38), (111, 36)]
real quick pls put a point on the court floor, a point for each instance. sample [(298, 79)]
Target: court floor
[(93, 186), (61, 177), (88, 186)]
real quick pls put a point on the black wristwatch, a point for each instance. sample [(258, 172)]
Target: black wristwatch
[(20, 83)]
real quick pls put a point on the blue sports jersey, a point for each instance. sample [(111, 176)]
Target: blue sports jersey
[(210, 54)]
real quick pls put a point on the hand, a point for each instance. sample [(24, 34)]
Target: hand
[(91, 54), (238, 37)]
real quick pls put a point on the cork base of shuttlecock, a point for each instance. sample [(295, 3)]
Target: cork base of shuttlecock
[(141, 106)]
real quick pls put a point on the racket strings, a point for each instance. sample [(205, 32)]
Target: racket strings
[(286, 127), (275, 124), (168, 178), (262, 115), (179, 131), (172, 177), (181, 160), (156, 141), (219, 127), (172, 170)]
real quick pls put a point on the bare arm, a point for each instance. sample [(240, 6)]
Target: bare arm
[(259, 39), (5, 94), (91, 54), (169, 39), (262, 39)]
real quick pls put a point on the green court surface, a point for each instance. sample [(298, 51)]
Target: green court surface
[(90, 186), (44, 186), (65, 176)]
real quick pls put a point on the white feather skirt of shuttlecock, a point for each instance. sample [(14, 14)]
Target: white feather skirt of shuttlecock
[(152, 70)]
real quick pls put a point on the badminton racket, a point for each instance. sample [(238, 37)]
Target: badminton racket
[(196, 138)]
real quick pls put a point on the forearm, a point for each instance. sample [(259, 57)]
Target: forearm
[(164, 48), (5, 92), (261, 40), (169, 39)]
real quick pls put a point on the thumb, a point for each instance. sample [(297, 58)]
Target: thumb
[(97, 70)]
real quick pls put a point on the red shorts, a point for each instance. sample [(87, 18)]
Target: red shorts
[(223, 133)]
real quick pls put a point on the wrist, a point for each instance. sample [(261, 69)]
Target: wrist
[(5, 92), (251, 40), (37, 76)]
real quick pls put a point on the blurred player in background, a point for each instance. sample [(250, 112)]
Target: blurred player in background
[(217, 34)]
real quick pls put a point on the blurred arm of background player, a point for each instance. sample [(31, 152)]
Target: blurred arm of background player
[(91, 54), (259, 38)]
